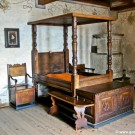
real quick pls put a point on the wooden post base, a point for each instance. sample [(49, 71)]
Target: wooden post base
[(54, 108), (81, 121)]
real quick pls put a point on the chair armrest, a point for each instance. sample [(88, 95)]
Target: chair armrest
[(33, 79), (13, 79), (28, 75)]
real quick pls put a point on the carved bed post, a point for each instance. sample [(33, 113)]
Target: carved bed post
[(75, 77), (66, 50), (34, 54), (34, 50), (109, 47)]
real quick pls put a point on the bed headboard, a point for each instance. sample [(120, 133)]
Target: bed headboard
[(50, 62)]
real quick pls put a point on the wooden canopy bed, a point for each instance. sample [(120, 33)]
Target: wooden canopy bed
[(78, 90)]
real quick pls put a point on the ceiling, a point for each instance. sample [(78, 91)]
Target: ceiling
[(117, 5)]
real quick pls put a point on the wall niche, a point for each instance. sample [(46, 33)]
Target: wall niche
[(99, 54)]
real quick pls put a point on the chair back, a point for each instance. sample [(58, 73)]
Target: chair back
[(17, 70)]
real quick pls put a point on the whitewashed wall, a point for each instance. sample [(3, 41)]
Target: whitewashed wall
[(19, 13), (126, 25)]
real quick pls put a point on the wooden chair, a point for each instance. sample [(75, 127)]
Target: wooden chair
[(21, 95)]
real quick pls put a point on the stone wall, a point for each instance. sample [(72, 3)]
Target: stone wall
[(126, 25)]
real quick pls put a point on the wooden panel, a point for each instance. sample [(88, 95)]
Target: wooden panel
[(60, 84), (44, 63), (63, 76), (53, 82), (17, 70), (106, 105), (94, 80), (126, 98), (51, 62), (25, 96), (22, 96)]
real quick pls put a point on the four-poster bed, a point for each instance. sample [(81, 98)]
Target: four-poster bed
[(78, 90)]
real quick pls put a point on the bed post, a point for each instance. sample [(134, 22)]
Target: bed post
[(66, 50), (34, 50), (34, 55), (75, 76), (109, 48)]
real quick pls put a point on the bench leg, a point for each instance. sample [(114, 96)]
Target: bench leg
[(54, 108), (81, 121)]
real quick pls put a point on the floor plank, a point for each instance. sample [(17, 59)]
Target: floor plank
[(36, 121)]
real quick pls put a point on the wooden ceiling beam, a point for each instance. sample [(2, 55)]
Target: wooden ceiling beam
[(43, 2), (123, 7), (96, 2), (125, 1)]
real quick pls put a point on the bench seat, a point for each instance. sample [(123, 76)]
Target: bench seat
[(79, 106)]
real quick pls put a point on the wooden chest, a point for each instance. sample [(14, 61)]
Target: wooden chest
[(22, 98), (112, 101)]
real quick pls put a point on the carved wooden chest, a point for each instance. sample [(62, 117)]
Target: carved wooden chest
[(112, 101)]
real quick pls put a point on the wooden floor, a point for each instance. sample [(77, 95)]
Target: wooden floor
[(36, 121)]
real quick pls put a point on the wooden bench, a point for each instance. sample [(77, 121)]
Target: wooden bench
[(79, 106)]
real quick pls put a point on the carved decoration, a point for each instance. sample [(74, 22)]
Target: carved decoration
[(4, 4), (106, 106), (125, 99)]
